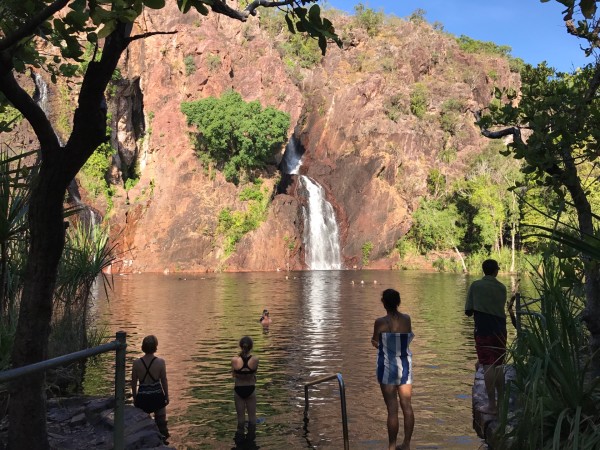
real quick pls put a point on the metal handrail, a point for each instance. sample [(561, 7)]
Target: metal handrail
[(520, 312), (120, 344), (342, 400)]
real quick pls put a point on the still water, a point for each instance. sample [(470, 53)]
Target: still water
[(321, 324)]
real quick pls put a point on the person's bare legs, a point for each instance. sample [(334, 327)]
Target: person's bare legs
[(240, 409), (405, 393), (490, 376), (251, 407), (390, 396)]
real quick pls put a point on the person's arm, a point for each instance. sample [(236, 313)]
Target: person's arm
[(164, 382), (375, 337), (469, 303), (134, 381), (233, 360), (409, 323)]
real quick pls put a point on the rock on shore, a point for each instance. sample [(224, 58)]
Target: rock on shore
[(81, 422)]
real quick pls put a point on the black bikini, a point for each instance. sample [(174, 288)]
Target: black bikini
[(245, 391)]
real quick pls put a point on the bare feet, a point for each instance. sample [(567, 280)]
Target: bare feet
[(487, 409)]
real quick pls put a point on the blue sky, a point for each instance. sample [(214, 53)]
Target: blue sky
[(534, 30)]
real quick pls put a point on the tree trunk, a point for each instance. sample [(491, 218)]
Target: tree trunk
[(462, 261), (591, 313), (27, 409)]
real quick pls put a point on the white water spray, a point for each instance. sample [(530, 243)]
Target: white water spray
[(321, 234)]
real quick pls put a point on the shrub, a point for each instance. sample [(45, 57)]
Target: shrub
[(233, 225), (419, 100), (368, 19), (238, 136), (394, 107), (366, 249), (213, 62), (190, 65), (471, 45)]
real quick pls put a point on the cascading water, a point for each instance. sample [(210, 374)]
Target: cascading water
[(321, 234)]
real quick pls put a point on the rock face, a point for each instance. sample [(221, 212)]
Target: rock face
[(351, 114)]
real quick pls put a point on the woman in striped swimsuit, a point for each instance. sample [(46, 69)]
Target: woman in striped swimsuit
[(392, 335)]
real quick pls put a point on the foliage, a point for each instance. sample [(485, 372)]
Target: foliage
[(368, 19), (417, 16), (239, 136), (436, 183), (470, 45), (233, 225), (559, 404), (189, 64), (395, 106), (437, 226), (419, 100), (93, 173), (516, 65), (9, 117), (366, 249), (213, 62), (300, 51)]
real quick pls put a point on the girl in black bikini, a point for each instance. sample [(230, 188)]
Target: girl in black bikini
[(243, 369)]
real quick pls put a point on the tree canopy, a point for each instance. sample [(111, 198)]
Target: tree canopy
[(237, 135)]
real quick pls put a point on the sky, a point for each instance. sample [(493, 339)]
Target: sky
[(535, 31)]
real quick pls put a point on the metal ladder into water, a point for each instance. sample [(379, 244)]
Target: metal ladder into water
[(342, 401)]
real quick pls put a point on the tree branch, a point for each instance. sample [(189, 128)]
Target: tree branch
[(150, 33), (498, 134), (21, 100), (219, 6), (89, 121), (29, 27)]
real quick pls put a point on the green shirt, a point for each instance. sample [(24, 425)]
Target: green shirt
[(488, 296)]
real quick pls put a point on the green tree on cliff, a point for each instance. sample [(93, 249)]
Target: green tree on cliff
[(561, 115), (29, 29), (239, 136)]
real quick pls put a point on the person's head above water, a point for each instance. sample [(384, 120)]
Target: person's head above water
[(246, 344), (149, 344), (391, 300)]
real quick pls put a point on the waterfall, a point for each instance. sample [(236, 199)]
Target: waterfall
[(321, 235), (292, 158), (40, 95)]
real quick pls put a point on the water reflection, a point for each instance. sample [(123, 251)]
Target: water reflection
[(321, 324)]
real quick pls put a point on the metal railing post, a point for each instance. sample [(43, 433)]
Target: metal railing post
[(518, 318), (119, 420), (344, 415), (342, 401)]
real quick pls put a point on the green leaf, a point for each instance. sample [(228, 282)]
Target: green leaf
[(588, 8), (184, 5), (154, 4), (314, 15), (290, 24), (108, 28), (323, 44)]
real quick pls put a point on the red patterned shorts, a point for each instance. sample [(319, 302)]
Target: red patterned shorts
[(491, 349)]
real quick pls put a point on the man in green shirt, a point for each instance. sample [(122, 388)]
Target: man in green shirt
[(486, 302)]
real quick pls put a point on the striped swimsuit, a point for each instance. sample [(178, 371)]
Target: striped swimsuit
[(394, 358)]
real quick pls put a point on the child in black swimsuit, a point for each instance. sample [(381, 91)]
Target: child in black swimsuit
[(243, 369)]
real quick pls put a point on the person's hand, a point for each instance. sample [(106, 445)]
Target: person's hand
[(166, 400)]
